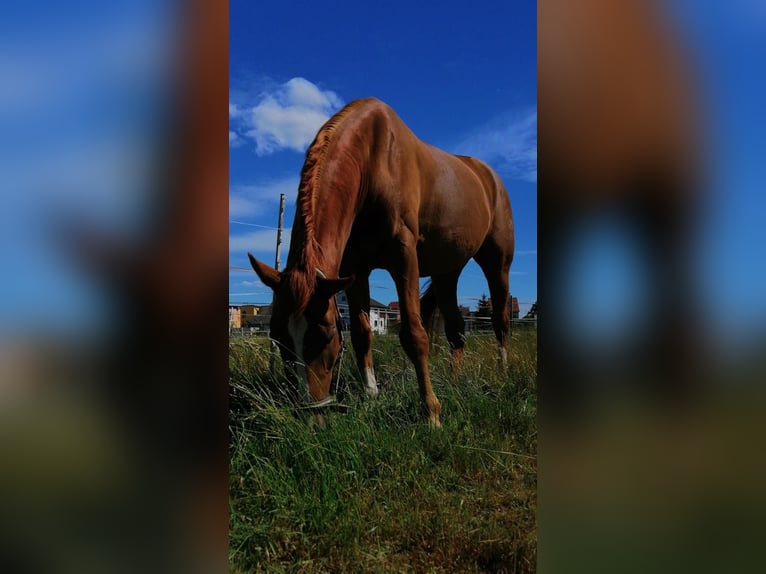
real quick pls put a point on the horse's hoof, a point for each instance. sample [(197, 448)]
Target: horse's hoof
[(370, 383), (317, 422), (434, 409), (372, 392), (502, 358)]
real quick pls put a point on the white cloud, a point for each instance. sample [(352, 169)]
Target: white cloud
[(508, 143), (235, 140), (276, 127), (242, 207), (287, 117)]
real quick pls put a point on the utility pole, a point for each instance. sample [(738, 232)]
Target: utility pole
[(279, 227), (282, 198)]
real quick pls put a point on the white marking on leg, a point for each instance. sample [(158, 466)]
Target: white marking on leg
[(503, 356), (370, 382)]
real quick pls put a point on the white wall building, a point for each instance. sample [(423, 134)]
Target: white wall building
[(381, 317)]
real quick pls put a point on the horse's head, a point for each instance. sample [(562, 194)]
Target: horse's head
[(305, 323)]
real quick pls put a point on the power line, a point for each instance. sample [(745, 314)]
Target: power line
[(373, 286), (253, 224)]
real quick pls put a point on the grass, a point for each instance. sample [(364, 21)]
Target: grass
[(376, 489)]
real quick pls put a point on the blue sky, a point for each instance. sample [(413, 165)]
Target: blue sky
[(728, 40), (79, 101), (463, 80)]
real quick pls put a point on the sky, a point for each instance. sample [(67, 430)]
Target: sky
[(463, 80), (78, 131), (727, 39)]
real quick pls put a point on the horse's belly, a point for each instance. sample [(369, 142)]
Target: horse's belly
[(437, 256), (451, 232)]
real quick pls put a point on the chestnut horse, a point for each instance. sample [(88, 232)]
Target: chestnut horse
[(373, 196)]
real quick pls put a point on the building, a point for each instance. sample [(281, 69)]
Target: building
[(513, 303), (235, 317), (381, 317), (249, 316)]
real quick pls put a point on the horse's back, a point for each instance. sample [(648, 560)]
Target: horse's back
[(454, 202)]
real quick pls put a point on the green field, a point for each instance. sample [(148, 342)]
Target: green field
[(375, 489)]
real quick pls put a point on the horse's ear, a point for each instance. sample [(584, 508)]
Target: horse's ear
[(329, 287), (268, 275)]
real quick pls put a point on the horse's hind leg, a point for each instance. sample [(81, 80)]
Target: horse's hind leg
[(361, 332), (445, 287), (427, 309), (496, 264)]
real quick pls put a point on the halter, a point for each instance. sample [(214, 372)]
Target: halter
[(331, 399)]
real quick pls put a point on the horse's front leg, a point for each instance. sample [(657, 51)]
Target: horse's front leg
[(361, 332), (412, 334)]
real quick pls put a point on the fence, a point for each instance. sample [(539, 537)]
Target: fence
[(259, 325)]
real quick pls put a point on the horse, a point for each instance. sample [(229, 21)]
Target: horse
[(374, 196), (620, 136)]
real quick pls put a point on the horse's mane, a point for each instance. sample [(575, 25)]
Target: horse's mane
[(303, 278)]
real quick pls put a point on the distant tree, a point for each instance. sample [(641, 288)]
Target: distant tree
[(483, 310)]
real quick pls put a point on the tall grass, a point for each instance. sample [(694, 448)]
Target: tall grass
[(375, 489)]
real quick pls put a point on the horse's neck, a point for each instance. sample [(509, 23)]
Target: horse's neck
[(322, 244), (332, 231)]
